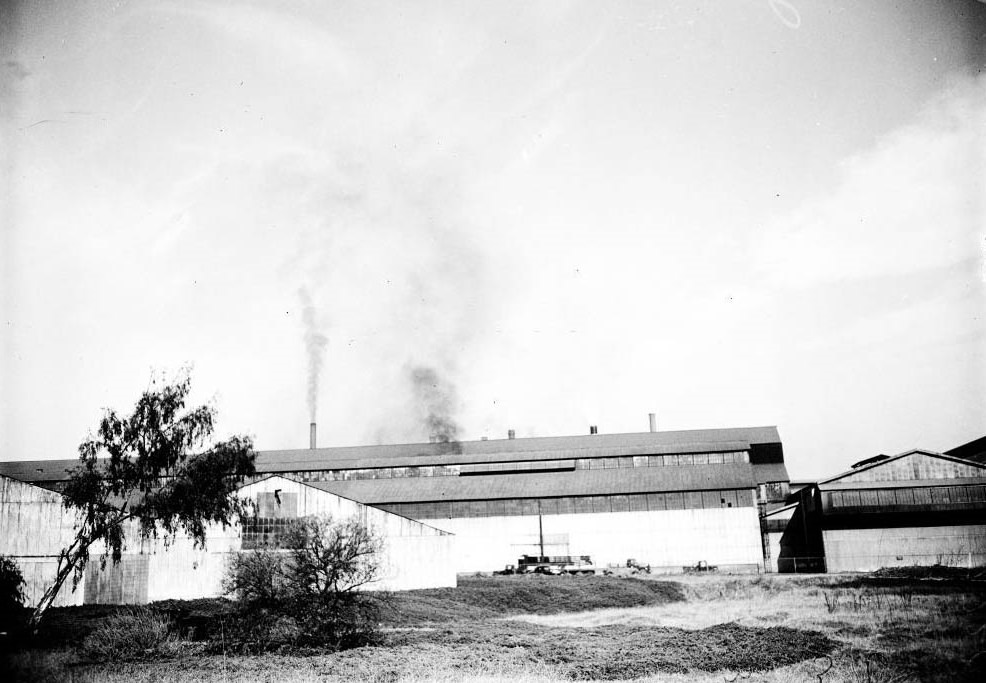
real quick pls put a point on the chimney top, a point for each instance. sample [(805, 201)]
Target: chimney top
[(593, 429), (311, 436), (511, 434), (653, 421)]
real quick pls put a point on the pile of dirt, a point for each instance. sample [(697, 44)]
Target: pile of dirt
[(484, 597)]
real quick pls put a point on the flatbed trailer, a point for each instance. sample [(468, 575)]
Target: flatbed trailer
[(555, 564)]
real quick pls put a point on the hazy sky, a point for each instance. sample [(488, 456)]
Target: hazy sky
[(727, 213)]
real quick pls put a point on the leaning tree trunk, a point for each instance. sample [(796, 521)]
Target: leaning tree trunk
[(68, 560)]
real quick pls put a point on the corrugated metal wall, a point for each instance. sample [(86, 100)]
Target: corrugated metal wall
[(870, 549), (671, 539)]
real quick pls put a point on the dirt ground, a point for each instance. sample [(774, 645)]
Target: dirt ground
[(669, 628)]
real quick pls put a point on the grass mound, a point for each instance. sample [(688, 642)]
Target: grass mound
[(621, 652), (485, 597)]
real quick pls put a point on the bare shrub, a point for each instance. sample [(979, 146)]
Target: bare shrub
[(308, 591), (256, 578), (133, 633)]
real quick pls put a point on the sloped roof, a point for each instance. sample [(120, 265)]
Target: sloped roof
[(494, 450), (506, 450), (37, 470), (974, 450), (887, 461), (770, 472), (572, 483), (321, 491)]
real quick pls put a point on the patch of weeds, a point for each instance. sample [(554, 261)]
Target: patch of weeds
[(618, 652), (134, 633)]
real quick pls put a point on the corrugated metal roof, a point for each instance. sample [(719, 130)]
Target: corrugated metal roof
[(769, 472), (539, 448), (914, 451), (38, 470), (577, 483), (497, 450)]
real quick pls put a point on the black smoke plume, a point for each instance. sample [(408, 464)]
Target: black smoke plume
[(437, 401)]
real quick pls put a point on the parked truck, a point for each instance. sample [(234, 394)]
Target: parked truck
[(555, 564)]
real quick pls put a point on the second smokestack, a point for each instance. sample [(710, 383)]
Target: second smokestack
[(653, 421), (311, 436)]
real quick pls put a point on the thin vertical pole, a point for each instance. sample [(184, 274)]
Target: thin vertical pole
[(540, 530)]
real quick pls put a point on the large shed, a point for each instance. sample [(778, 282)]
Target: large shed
[(915, 508), (35, 526)]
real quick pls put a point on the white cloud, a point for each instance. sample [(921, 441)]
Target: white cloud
[(915, 200)]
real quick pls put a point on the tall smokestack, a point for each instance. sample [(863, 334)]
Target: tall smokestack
[(653, 421), (311, 436), (511, 433)]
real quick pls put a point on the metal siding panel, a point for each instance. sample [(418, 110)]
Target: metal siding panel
[(578, 482)]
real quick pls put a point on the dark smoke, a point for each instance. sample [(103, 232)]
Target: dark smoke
[(437, 401), (315, 343)]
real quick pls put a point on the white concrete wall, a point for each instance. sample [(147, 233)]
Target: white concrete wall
[(34, 527), (669, 538), (415, 554), (870, 549)]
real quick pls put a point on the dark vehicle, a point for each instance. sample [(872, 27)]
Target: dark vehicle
[(700, 566), (555, 564)]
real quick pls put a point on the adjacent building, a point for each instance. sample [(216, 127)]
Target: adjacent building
[(914, 508), (35, 526)]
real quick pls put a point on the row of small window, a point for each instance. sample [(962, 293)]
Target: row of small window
[(623, 461), (914, 467), (662, 460), (907, 497), (642, 502), (265, 532)]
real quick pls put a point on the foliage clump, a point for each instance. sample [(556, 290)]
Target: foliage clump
[(11, 594), (134, 633), (154, 472), (307, 590)]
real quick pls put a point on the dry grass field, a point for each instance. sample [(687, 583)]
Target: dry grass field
[(865, 628)]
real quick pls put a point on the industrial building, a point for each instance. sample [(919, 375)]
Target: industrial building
[(35, 526), (915, 508), (668, 499)]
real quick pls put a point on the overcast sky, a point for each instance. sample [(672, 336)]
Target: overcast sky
[(573, 213)]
